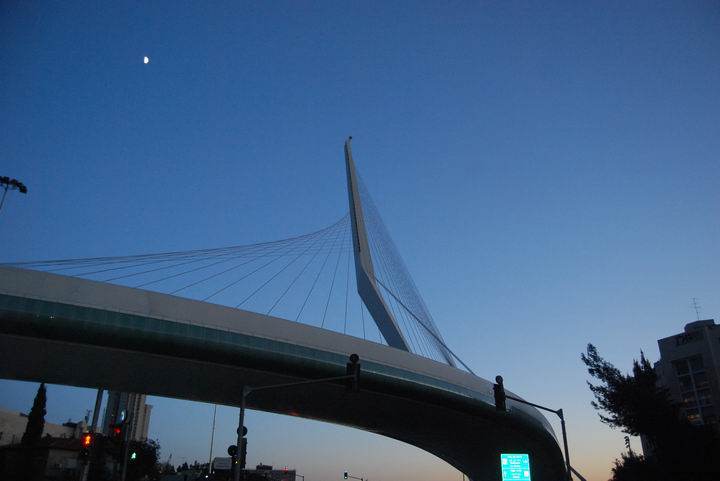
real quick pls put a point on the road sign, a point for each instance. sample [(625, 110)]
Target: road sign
[(515, 467), (222, 464)]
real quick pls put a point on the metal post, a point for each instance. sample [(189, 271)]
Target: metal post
[(565, 443), (96, 412), (127, 447), (212, 438), (93, 429), (241, 424)]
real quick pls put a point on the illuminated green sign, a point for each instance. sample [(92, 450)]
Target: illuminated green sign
[(515, 467)]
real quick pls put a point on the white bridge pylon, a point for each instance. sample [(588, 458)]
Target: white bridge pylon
[(367, 283)]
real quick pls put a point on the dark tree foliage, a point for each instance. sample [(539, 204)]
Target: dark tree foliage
[(634, 404), (631, 403), (146, 462), (633, 467), (36, 418)]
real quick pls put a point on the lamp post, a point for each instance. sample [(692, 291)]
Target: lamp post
[(6, 183), (352, 379), (500, 396)]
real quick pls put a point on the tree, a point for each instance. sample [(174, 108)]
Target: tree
[(36, 418), (632, 403), (634, 467), (145, 463), (637, 406)]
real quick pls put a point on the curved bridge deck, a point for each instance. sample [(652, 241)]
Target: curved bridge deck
[(93, 334)]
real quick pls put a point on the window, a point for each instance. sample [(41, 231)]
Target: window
[(685, 383), (689, 400), (696, 399), (704, 397), (681, 367), (700, 379), (696, 363)]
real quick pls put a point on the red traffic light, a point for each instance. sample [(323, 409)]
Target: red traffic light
[(87, 440)]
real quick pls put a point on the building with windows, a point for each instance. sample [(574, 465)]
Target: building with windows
[(130, 407), (689, 368)]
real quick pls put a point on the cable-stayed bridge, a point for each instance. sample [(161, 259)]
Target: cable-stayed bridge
[(201, 324)]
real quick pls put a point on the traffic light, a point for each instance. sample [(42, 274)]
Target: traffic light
[(117, 432), (627, 442), (352, 368), (87, 442), (243, 453), (499, 391), (345, 476)]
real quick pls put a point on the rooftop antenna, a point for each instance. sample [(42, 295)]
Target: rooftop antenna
[(696, 306)]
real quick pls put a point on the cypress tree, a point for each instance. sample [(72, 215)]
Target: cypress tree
[(36, 419)]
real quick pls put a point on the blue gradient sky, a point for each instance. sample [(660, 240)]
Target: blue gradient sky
[(550, 173)]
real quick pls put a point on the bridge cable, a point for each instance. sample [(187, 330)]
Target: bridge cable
[(304, 240), (275, 275), (415, 348), (332, 285), (298, 276), (433, 334), (322, 267)]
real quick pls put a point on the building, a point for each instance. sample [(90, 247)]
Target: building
[(12, 427), (123, 406), (689, 368), (265, 472), (49, 458), (221, 470)]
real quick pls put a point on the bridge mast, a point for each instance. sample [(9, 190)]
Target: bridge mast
[(364, 271)]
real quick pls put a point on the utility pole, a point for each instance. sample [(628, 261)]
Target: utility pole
[(212, 438), (500, 396), (93, 429), (126, 442)]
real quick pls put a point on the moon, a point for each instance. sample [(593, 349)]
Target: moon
[(146, 59)]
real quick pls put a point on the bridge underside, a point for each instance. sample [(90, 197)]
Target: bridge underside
[(466, 435), (406, 397)]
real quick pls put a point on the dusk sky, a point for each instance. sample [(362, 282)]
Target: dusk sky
[(550, 172)]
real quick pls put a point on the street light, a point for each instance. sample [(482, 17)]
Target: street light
[(10, 184), (353, 375)]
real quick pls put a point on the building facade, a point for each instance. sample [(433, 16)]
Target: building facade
[(689, 368), (122, 406), (12, 427)]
